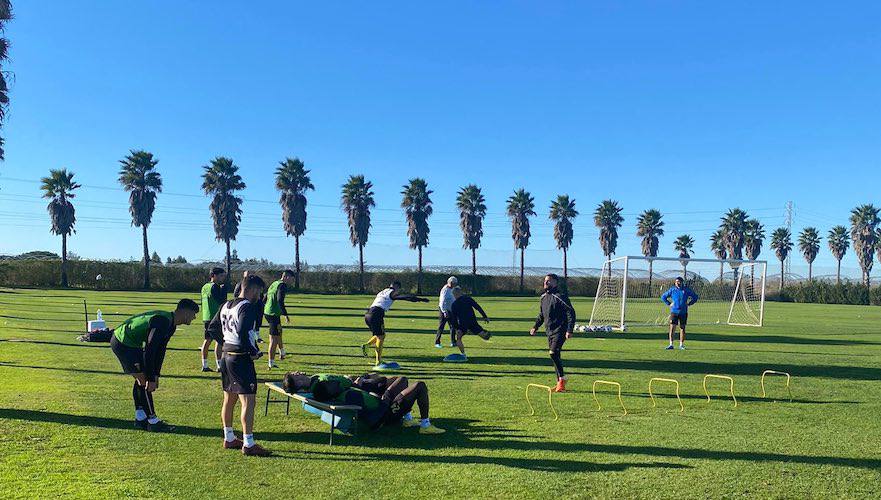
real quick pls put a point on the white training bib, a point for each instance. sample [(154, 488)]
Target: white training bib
[(229, 324)]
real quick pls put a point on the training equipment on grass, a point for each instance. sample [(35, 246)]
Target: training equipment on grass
[(772, 372), (340, 417), (720, 377), (455, 358), (606, 382), (386, 366), (670, 380), (732, 292), (550, 401)]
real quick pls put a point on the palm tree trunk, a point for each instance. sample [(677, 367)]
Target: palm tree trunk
[(565, 266), (64, 260), (297, 262), (228, 259), (781, 274), (361, 264), (419, 276), (522, 252), (810, 272), (474, 261), (146, 260), (651, 265), (838, 273)]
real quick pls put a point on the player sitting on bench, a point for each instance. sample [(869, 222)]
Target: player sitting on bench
[(383, 400)]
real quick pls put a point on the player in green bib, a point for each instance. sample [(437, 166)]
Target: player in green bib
[(213, 296), (274, 310), (139, 343)]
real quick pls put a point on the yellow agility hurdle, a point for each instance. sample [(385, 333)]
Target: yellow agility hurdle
[(772, 372), (672, 381), (550, 402), (599, 406), (721, 377)]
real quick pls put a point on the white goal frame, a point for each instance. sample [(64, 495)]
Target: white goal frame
[(738, 292)]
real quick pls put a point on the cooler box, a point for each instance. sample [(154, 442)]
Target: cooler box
[(97, 324)]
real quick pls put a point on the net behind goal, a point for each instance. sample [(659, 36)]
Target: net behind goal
[(731, 292)]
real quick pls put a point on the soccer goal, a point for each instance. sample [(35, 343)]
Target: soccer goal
[(732, 292)]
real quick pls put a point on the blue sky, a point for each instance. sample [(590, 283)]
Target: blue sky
[(688, 107)]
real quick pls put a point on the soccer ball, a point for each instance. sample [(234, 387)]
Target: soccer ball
[(98, 277)]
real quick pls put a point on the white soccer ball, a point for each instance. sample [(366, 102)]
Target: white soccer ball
[(98, 277)]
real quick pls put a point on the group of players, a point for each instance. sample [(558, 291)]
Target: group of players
[(140, 343)]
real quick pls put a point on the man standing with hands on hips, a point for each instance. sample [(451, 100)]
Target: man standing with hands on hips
[(558, 316)]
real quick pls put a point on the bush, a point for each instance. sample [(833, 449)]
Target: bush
[(820, 292)]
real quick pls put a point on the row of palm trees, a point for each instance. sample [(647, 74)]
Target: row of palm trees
[(738, 236)]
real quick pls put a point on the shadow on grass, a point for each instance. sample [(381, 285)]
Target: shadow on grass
[(98, 345)]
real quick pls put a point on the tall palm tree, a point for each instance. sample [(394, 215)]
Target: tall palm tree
[(520, 206), (5, 16), (684, 244), (416, 202), (733, 226), (809, 244), (838, 244), (356, 200), (781, 242), (59, 188), (753, 238), (562, 212), (717, 246), (472, 210), (221, 180), (607, 217), (863, 223), (139, 177), (650, 227), (292, 180)]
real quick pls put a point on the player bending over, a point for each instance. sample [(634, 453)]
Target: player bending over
[(464, 320), (444, 305), (236, 322), (213, 296), (679, 297), (558, 316), (375, 316), (383, 400), (274, 310), (139, 343)]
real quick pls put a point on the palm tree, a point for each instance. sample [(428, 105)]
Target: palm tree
[(753, 238), (650, 227), (781, 242), (717, 246), (59, 188), (607, 217), (5, 16), (838, 245), (684, 244), (139, 177), (221, 180), (416, 203), (733, 226), (292, 180), (472, 210), (520, 206), (357, 198), (562, 212), (863, 223), (809, 244)]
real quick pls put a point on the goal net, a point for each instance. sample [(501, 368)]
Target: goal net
[(730, 292)]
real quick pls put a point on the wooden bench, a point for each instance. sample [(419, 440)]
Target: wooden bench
[(336, 414)]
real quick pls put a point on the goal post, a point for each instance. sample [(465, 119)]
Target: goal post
[(731, 292)]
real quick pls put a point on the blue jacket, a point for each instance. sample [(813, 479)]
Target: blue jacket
[(679, 299)]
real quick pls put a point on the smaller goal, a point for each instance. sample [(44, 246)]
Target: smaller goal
[(731, 292)]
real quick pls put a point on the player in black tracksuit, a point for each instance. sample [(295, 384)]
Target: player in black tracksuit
[(558, 316), (463, 319)]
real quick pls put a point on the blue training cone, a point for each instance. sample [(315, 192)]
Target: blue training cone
[(391, 365), (455, 358)]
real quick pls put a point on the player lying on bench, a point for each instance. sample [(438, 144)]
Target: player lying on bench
[(383, 400)]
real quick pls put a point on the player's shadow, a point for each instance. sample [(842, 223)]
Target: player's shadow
[(98, 345), (92, 371)]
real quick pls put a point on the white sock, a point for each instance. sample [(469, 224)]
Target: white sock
[(229, 435), (681, 344), (153, 420), (140, 415), (218, 363), (282, 351), (671, 343), (204, 362), (249, 440), (408, 417), (424, 422), (271, 363)]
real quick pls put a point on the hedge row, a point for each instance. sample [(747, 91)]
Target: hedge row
[(129, 276), (820, 292)]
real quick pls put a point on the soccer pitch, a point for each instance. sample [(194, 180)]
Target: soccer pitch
[(65, 409)]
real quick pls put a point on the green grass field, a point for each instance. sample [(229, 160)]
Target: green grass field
[(65, 410)]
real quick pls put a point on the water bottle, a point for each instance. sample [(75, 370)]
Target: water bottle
[(100, 318)]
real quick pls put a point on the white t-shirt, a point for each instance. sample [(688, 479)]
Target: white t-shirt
[(445, 299), (384, 299)]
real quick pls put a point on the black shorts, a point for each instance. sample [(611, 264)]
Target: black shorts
[(474, 328), (237, 374), (207, 336), (679, 319), (375, 320), (274, 323), (130, 358), (556, 341)]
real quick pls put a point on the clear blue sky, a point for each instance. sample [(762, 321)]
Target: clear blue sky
[(688, 107)]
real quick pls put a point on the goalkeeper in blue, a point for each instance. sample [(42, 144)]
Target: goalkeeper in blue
[(679, 297)]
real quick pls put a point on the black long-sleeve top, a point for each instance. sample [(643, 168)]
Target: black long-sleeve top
[(556, 313), (160, 331), (462, 313)]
